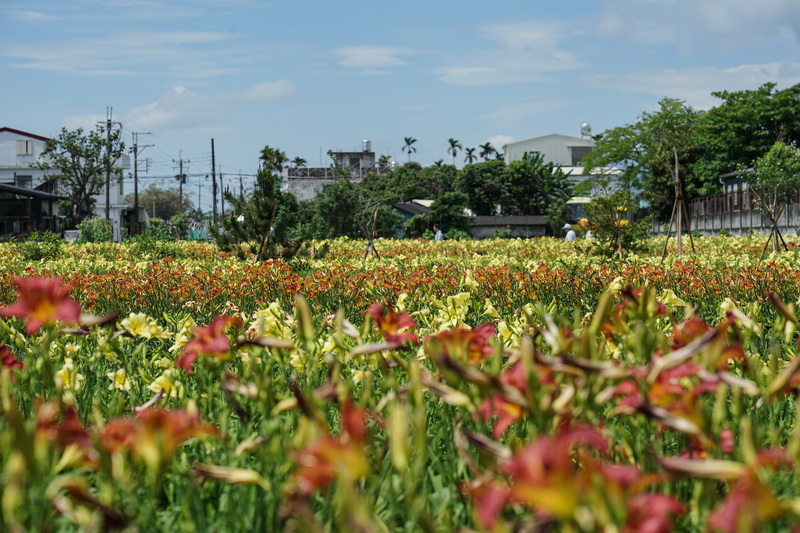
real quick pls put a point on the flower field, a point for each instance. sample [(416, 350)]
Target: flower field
[(499, 385)]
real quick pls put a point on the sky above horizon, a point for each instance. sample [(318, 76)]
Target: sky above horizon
[(311, 76)]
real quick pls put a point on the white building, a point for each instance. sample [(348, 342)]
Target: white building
[(19, 152)]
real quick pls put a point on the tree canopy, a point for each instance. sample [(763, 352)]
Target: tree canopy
[(161, 203), (81, 160), (742, 128)]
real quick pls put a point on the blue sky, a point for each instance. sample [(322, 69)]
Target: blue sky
[(309, 76)]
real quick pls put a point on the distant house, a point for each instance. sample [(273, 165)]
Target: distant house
[(307, 182), (413, 208), (28, 201), (561, 150), (19, 152), (486, 227)]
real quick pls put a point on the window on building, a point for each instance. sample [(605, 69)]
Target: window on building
[(24, 181), (24, 147), (578, 153)]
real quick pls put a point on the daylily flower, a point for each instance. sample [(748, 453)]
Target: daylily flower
[(8, 359), (466, 345), (43, 302), (750, 502), (119, 380), (500, 406), (155, 434), (393, 326), (650, 512), (328, 457), (209, 341)]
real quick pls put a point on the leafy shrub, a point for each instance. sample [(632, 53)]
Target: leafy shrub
[(40, 245), (95, 230)]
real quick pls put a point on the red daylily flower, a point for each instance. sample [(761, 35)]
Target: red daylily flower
[(498, 405), (392, 325), (8, 359), (469, 345), (750, 502), (328, 457), (490, 500), (209, 341), (649, 513), (43, 302)]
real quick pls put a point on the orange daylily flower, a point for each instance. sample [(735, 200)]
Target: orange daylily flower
[(162, 429), (393, 326), (210, 341), (43, 302), (463, 344), (328, 457)]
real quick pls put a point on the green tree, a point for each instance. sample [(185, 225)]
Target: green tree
[(529, 187), (613, 231), (470, 156), (774, 181), (384, 163), (455, 146), (483, 185), (669, 133), (262, 221), (161, 203), (299, 162), (408, 147), (81, 161), (448, 211), (742, 128), (487, 150), (409, 182), (346, 209), (654, 156)]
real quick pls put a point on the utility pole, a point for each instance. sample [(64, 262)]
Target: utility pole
[(213, 186), (108, 123), (181, 177), (222, 196), (135, 134)]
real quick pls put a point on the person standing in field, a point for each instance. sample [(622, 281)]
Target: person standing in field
[(437, 233), (570, 236)]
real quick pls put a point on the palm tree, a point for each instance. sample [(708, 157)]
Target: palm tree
[(408, 146), (299, 162), (455, 146), (438, 163), (487, 150), (470, 157), (272, 159)]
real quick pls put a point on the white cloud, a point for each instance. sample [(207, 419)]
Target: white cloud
[(182, 109), (729, 23), (125, 53), (23, 15), (268, 91), (370, 56), (499, 141), (695, 85), (519, 52)]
